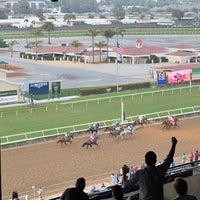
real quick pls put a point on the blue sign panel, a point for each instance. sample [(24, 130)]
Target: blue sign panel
[(161, 78), (38, 88)]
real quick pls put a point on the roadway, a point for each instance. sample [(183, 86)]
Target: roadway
[(79, 75)]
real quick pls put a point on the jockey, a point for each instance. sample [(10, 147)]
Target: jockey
[(96, 125), (115, 124), (130, 128), (172, 118), (66, 135), (141, 118), (117, 130), (93, 137)]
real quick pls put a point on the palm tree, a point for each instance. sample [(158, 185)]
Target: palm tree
[(11, 44), (75, 44), (100, 44), (119, 32), (48, 26), (109, 33), (26, 21), (93, 33), (36, 34)]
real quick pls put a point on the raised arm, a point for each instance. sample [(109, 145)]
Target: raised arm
[(169, 159), (173, 147)]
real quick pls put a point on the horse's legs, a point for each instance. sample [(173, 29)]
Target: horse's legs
[(176, 124), (85, 143), (95, 144)]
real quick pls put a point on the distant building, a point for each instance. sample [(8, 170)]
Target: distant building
[(32, 3)]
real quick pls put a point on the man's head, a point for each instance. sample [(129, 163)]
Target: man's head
[(80, 183), (180, 186), (150, 158), (117, 192)]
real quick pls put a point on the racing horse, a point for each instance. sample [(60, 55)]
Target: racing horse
[(94, 128), (65, 138), (141, 122), (91, 142), (167, 123), (114, 131), (129, 131)]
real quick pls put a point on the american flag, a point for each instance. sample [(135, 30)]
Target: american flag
[(120, 49)]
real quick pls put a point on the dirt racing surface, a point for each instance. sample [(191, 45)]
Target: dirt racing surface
[(53, 168)]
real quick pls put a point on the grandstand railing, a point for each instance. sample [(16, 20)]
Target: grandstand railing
[(81, 128)]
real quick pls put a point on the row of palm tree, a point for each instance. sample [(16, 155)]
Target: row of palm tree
[(108, 34)]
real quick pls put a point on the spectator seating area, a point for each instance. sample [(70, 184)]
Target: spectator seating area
[(184, 170)]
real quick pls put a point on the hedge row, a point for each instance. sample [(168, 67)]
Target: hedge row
[(106, 89)]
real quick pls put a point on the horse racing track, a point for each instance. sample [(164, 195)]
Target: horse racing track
[(53, 168)]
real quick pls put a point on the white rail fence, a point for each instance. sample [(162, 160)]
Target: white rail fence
[(110, 98), (81, 128), (141, 94)]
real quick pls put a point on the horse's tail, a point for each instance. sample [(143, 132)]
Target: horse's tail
[(88, 130), (149, 122), (85, 143), (58, 141)]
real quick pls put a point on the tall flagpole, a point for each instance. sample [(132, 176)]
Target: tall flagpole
[(117, 74), (117, 65)]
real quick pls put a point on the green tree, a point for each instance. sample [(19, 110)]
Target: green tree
[(11, 44), (119, 13), (100, 44), (69, 17), (109, 33), (3, 43), (3, 14), (93, 33), (178, 14), (21, 8), (48, 26), (39, 13), (75, 44)]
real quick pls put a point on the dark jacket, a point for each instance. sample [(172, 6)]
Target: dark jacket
[(74, 194)]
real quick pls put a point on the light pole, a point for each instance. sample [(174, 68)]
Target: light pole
[(122, 112), (117, 75)]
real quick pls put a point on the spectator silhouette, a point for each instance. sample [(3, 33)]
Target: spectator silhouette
[(133, 197), (117, 192), (181, 188), (151, 178), (15, 195), (125, 171), (196, 155), (76, 193)]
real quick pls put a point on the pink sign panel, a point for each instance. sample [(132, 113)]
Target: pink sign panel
[(179, 76)]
